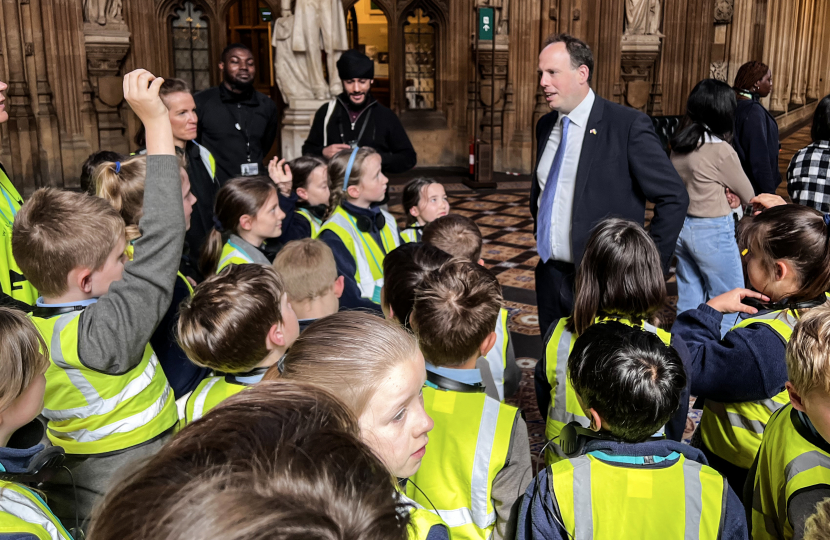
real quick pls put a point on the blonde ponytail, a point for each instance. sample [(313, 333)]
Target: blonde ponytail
[(337, 174)]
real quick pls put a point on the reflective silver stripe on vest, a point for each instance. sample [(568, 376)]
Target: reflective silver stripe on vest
[(204, 154), (559, 408), (735, 419), (234, 254), (97, 405), (694, 498), (17, 504), (122, 426), (366, 282), (583, 512), (805, 462), (495, 358), (199, 404), (481, 465), (771, 405)]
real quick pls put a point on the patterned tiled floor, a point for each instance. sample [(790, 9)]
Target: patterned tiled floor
[(509, 251)]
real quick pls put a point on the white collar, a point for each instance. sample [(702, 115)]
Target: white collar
[(581, 112), (709, 138)]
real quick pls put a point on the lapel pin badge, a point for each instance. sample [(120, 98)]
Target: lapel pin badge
[(593, 132)]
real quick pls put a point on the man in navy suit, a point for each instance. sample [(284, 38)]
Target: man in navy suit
[(595, 159)]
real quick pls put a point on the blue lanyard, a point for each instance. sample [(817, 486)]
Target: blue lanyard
[(363, 239), (633, 460), (242, 251)]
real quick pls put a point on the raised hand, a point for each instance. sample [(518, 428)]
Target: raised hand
[(730, 302), (141, 90), (281, 175)]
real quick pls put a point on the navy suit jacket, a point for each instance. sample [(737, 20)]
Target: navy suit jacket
[(622, 165)]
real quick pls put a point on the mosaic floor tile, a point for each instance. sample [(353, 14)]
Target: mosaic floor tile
[(500, 253), (517, 277)]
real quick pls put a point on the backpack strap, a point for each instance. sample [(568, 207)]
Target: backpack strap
[(329, 112)]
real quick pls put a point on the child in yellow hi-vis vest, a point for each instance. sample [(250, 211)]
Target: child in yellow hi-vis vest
[(107, 400), (791, 473), (424, 200), (246, 214), (359, 233), (479, 459), (237, 323), (375, 368), (24, 358), (460, 237)]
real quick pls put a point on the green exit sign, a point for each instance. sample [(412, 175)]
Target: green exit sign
[(485, 23)]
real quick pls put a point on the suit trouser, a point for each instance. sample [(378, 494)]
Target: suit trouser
[(554, 292)]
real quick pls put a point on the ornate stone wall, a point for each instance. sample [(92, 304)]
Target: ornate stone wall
[(63, 60)]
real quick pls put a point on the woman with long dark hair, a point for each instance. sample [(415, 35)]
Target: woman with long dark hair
[(808, 176), (756, 131), (708, 262)]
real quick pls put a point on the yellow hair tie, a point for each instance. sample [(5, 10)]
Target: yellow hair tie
[(744, 252)]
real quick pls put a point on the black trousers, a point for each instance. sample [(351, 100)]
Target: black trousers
[(554, 292)]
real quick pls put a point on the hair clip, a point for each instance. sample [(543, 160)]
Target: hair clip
[(744, 252), (827, 220), (218, 225), (349, 167), (117, 167), (281, 364)]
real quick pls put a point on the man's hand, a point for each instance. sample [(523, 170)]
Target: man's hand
[(730, 302), (733, 200), (330, 150), (141, 90), (280, 173), (764, 201)]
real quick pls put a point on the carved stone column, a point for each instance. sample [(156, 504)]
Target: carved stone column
[(106, 46), (49, 149), (741, 42), (639, 52), (804, 34), (22, 125), (820, 35)]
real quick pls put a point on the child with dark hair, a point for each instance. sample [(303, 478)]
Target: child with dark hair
[(786, 250), (460, 237), (619, 279), (616, 483), (282, 460), (403, 270), (808, 175), (479, 459), (305, 197), (424, 200), (91, 163)]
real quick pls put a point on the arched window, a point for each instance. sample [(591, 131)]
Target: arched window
[(191, 46), (419, 53)]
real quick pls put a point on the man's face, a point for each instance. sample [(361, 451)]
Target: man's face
[(357, 89), (564, 86), (238, 68)]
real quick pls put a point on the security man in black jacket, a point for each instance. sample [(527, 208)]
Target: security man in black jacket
[(355, 118), (237, 123)]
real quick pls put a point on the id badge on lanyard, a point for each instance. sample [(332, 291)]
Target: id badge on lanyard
[(246, 169), (250, 169)]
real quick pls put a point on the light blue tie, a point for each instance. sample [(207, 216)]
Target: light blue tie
[(546, 206)]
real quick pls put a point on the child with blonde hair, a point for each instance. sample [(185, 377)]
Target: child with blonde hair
[(24, 359), (107, 402), (238, 323), (310, 276), (791, 473), (359, 233)]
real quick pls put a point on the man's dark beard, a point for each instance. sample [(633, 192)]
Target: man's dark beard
[(237, 86), (358, 106)]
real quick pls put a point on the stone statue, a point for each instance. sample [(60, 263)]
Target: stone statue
[(643, 17), (299, 39), (102, 11)]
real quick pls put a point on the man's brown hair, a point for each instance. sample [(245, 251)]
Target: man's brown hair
[(23, 355), (307, 268), (224, 324), (56, 231), (808, 352), (455, 234), (281, 460), (456, 308)]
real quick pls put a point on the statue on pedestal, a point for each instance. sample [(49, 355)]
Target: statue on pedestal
[(299, 39), (102, 11), (643, 17)]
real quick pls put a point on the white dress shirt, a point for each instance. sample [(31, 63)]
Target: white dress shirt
[(563, 201)]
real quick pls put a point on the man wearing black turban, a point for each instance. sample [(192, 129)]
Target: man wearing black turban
[(355, 118)]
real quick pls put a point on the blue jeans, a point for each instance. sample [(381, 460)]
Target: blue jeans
[(708, 263)]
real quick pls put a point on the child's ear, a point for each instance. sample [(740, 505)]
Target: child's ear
[(596, 421), (275, 337), (414, 212), (795, 397), (246, 222), (353, 191), (338, 286), (82, 278), (488, 343), (481, 262), (782, 270), (302, 193)]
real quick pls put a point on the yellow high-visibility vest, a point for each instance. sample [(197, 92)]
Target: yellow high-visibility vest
[(24, 511), (12, 281)]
